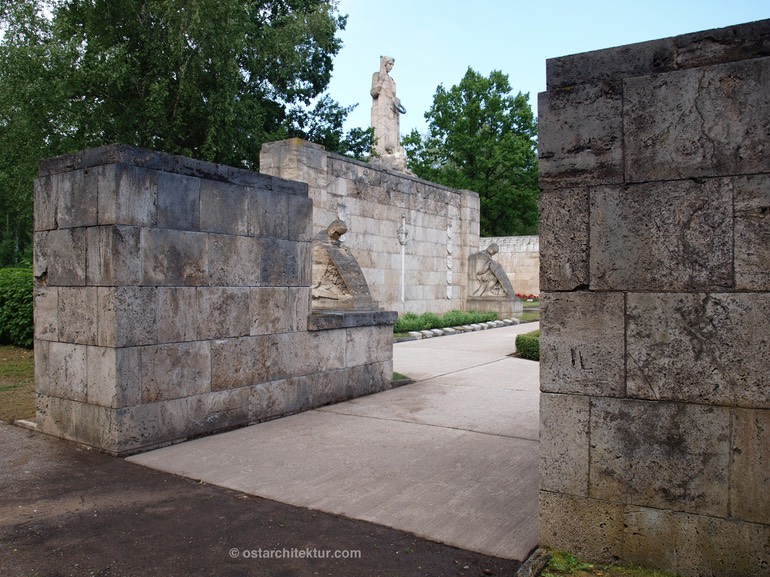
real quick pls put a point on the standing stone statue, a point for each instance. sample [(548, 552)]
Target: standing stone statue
[(386, 110)]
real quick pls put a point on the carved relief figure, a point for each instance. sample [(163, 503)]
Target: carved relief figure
[(386, 110), (489, 278)]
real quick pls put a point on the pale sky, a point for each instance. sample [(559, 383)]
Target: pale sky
[(434, 41)]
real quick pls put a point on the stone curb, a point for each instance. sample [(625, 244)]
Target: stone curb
[(534, 564), (427, 334)]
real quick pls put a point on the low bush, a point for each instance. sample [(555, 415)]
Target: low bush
[(412, 322), (16, 323), (528, 345)]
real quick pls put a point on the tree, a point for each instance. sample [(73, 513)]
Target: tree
[(483, 138), (211, 79)]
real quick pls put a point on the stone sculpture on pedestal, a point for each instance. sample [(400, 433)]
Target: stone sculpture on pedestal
[(386, 110), (489, 285)]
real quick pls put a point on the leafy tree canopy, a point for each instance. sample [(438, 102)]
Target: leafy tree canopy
[(211, 79), (481, 137)]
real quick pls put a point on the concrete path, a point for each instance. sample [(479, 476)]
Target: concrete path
[(452, 457)]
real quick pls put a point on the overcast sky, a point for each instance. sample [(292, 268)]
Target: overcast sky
[(435, 41)]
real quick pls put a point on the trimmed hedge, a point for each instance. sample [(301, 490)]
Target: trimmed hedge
[(16, 322), (426, 321), (528, 345)]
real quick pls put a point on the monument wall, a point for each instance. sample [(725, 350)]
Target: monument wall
[(520, 258), (442, 224), (655, 272), (172, 298)]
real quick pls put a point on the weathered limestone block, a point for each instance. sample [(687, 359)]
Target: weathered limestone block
[(720, 357), (77, 315), (127, 195), (44, 212), (178, 314), (322, 351), (174, 371), (46, 313), (365, 345), (240, 362), (582, 353), (235, 260), (752, 232), (750, 466), (672, 235), (67, 369), (564, 220), (663, 455), (730, 44), (582, 141), (179, 201), (269, 311), (282, 397), (369, 378), (114, 376), (224, 208), (692, 123), (587, 528), (175, 258), (223, 312), (127, 316), (60, 257), (564, 443), (82, 422), (76, 196), (114, 255), (695, 544)]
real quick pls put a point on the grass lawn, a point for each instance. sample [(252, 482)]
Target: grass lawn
[(17, 383)]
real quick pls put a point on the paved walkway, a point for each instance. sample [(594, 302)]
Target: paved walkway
[(452, 457)]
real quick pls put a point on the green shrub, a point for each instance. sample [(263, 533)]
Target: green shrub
[(528, 345), (16, 324), (426, 321)]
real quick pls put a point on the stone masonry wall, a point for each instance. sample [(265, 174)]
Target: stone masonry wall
[(172, 297), (655, 272), (442, 223), (520, 258)]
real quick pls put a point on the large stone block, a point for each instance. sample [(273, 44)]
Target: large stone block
[(662, 455), (269, 214), (564, 220), (175, 258), (234, 260), (269, 310), (370, 344), (750, 466), (77, 315), (85, 423), (582, 343), (223, 312), (179, 201), (67, 368), (676, 235), (127, 194), (752, 232), (587, 528), (240, 362), (564, 443), (44, 215), (114, 376), (700, 348), (696, 545), (76, 198), (60, 257), (709, 121), (46, 313), (178, 314), (580, 136), (114, 255), (224, 208), (127, 316), (278, 398), (175, 371)]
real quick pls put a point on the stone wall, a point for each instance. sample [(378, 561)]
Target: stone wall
[(655, 272), (520, 258), (442, 224), (172, 297)]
